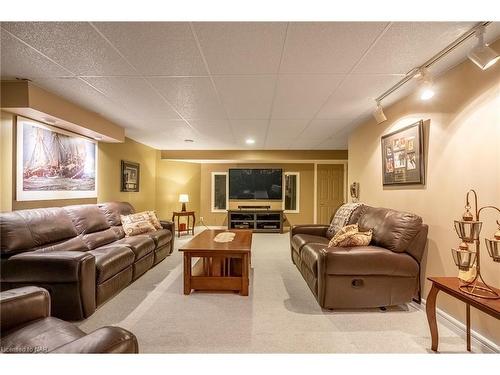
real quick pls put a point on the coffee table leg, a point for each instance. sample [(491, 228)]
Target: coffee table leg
[(187, 274), (430, 309), (244, 275)]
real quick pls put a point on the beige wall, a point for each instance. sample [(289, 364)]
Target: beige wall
[(306, 204), (174, 178), (6, 161), (463, 152), (110, 156)]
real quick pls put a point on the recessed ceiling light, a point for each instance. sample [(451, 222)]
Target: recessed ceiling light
[(250, 141), (189, 140)]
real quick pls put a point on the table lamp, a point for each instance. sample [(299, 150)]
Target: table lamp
[(183, 198)]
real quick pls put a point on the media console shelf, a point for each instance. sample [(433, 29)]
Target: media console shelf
[(260, 220)]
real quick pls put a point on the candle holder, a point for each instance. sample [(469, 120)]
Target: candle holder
[(468, 230)]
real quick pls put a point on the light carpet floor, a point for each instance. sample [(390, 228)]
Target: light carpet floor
[(279, 316)]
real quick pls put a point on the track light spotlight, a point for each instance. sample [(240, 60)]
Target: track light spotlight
[(482, 55), (426, 84), (378, 114)]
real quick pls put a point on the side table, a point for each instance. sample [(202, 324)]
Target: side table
[(450, 285), (179, 214)]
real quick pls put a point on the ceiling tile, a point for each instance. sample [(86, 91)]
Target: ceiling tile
[(192, 97), (74, 45), (304, 144), (244, 129), (134, 93), (19, 60), (327, 47), (215, 129), (300, 97), (409, 44), (246, 97), (156, 48), (322, 129), (77, 91), (356, 95), (241, 47), (285, 129)]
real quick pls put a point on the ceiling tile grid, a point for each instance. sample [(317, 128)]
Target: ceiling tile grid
[(295, 85)]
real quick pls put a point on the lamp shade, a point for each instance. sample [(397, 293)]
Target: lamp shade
[(183, 198)]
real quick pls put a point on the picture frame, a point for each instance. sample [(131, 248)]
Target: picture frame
[(52, 163), (130, 176), (403, 160)]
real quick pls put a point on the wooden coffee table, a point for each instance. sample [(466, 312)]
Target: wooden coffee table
[(222, 266)]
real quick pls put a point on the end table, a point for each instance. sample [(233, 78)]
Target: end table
[(179, 214), (450, 286)]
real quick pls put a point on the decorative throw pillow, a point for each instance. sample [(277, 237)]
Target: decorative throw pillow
[(136, 224), (350, 236), (342, 217), (153, 219)]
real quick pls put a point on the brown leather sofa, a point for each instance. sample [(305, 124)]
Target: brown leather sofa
[(385, 273), (27, 327), (78, 253)]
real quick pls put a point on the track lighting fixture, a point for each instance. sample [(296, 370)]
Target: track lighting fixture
[(426, 84), (482, 55), (378, 114)]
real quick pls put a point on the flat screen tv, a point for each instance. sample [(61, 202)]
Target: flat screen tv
[(262, 184)]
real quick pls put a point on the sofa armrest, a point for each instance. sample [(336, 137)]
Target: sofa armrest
[(313, 229), (170, 225), (22, 305), (56, 266), (69, 277), (166, 224), (103, 340)]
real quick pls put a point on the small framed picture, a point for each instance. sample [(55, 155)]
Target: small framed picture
[(129, 176), (403, 156)]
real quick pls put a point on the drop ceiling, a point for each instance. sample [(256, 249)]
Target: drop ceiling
[(290, 85)]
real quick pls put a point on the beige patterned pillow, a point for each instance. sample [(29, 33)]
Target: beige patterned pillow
[(350, 236), (136, 224), (153, 219)]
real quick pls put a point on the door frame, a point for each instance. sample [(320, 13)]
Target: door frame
[(344, 162)]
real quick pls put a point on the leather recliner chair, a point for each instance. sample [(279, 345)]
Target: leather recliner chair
[(78, 253), (27, 327), (385, 273)]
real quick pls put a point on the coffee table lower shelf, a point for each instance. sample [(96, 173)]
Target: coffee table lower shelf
[(228, 272)]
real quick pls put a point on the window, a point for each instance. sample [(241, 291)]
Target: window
[(292, 192), (220, 188)]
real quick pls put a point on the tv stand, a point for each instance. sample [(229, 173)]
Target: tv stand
[(259, 220)]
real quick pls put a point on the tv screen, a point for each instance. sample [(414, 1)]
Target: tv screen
[(265, 184)]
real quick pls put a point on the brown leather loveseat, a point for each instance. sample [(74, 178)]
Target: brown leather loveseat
[(27, 327), (78, 253), (385, 273)]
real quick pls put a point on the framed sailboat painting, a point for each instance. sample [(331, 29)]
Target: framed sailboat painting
[(53, 163)]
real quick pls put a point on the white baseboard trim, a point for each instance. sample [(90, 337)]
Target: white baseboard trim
[(460, 328)]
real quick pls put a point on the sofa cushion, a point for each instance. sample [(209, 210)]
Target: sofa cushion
[(140, 245), (113, 210), (44, 335), (110, 260), (98, 239), (309, 255), (27, 229), (391, 229), (87, 218), (161, 237), (369, 260), (299, 240)]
